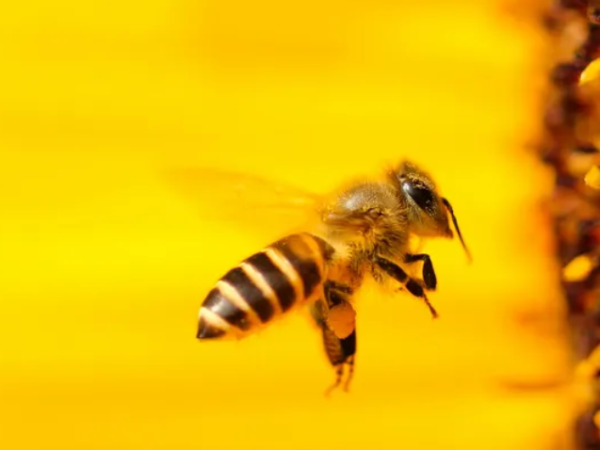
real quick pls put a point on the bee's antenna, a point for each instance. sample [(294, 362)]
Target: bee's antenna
[(449, 208)]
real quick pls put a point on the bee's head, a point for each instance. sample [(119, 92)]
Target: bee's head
[(427, 210)]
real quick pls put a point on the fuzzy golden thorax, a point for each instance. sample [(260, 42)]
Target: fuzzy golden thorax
[(370, 217)]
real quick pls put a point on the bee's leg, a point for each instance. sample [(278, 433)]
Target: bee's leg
[(341, 353), (339, 373), (396, 272), (331, 343), (318, 310), (335, 294), (332, 286), (350, 364), (428, 273), (349, 350)]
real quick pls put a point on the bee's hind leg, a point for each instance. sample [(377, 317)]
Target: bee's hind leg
[(341, 353), (396, 272), (339, 374), (350, 364)]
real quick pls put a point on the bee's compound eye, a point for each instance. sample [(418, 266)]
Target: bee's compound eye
[(423, 197)]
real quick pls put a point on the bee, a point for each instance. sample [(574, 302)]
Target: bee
[(362, 229)]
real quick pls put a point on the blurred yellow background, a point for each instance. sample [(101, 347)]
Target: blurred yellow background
[(103, 267)]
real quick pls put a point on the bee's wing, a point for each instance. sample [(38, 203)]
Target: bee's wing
[(255, 203)]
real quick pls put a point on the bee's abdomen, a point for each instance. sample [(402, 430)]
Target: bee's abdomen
[(285, 274), (280, 283)]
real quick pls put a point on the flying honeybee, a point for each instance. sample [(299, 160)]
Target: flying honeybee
[(365, 228)]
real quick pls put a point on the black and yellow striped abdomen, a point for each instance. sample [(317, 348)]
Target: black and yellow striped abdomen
[(286, 274)]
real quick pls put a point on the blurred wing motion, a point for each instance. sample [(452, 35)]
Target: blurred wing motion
[(249, 200)]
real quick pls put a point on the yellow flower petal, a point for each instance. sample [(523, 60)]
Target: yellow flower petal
[(592, 178), (579, 268), (103, 267)]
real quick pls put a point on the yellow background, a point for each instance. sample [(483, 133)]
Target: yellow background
[(103, 266)]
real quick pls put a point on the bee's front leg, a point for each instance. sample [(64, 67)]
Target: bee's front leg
[(413, 286), (429, 277)]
